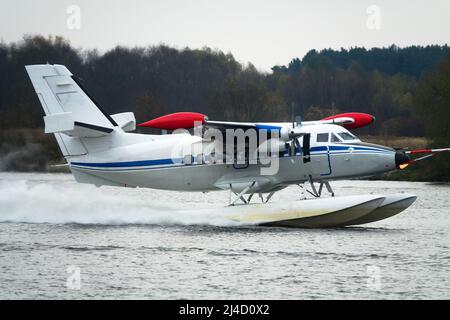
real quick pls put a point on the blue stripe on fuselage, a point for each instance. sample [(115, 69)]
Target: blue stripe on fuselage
[(159, 162), (141, 163)]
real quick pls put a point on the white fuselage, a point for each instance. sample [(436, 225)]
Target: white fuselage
[(168, 162)]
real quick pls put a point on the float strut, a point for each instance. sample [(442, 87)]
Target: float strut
[(320, 188), (313, 187), (241, 194), (269, 196), (261, 197), (329, 189)]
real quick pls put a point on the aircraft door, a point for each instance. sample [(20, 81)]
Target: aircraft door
[(320, 155), (241, 157)]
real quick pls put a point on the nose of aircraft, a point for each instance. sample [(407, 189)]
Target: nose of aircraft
[(401, 158)]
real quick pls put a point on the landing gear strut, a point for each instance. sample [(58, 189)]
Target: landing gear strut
[(267, 198), (314, 192), (240, 196)]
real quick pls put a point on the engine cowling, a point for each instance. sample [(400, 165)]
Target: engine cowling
[(272, 146)]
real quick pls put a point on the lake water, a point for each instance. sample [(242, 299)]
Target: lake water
[(60, 239)]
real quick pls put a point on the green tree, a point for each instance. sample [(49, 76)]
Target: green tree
[(433, 105)]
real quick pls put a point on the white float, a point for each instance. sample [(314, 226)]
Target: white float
[(321, 212)]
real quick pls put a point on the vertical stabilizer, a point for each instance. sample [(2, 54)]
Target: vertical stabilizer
[(71, 113)]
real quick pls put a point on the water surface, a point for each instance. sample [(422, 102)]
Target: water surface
[(136, 243)]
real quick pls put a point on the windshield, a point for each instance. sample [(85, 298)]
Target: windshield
[(347, 136), (334, 138)]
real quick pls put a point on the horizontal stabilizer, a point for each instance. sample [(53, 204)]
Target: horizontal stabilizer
[(125, 120), (64, 123)]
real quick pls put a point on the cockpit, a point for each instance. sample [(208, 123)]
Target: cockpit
[(334, 134)]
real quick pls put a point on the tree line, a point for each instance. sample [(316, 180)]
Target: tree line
[(404, 88)]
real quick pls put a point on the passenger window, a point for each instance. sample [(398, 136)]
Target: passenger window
[(334, 138), (322, 137)]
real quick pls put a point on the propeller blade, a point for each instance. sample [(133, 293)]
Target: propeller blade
[(306, 149), (292, 148), (297, 143), (427, 151), (295, 135)]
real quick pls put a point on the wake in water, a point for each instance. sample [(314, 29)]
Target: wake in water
[(62, 203)]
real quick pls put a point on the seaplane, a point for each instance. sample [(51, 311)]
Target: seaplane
[(194, 153)]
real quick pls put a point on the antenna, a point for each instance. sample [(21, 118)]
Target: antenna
[(292, 114), (298, 121)]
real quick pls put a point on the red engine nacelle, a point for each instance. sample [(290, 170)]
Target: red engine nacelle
[(173, 121), (360, 119)]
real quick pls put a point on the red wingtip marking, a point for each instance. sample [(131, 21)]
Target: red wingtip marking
[(361, 119), (173, 121)]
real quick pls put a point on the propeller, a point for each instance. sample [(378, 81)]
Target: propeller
[(306, 149), (428, 153), (294, 144), (294, 135)]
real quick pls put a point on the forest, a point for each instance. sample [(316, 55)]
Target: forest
[(406, 89)]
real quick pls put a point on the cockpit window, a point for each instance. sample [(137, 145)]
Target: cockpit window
[(347, 136), (322, 137), (335, 138)]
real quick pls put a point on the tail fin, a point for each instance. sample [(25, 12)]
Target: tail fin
[(71, 114)]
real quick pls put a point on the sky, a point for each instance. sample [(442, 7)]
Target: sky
[(265, 33)]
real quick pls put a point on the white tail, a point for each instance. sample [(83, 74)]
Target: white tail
[(70, 113)]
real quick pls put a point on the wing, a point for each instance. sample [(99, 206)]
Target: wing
[(223, 125)]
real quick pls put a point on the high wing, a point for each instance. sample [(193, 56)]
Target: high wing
[(222, 125), (188, 120), (287, 131)]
